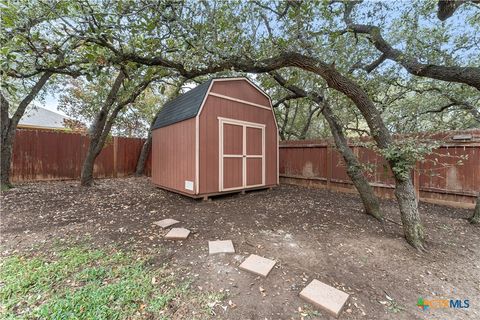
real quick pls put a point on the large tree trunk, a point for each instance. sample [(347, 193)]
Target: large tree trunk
[(97, 142), (6, 144), (98, 133), (142, 158), (103, 123), (146, 147), (405, 194), (96, 145), (9, 127), (411, 222), (475, 218), (6, 158), (354, 168), (86, 176), (412, 226)]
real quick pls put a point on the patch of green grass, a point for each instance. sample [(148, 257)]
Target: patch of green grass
[(79, 283), (5, 187), (209, 301), (308, 312), (394, 307)]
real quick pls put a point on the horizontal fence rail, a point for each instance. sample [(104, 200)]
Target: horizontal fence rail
[(450, 175), (58, 155)]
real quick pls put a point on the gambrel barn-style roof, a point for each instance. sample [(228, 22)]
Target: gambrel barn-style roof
[(188, 105)]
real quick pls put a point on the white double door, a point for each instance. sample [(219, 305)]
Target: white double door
[(241, 154)]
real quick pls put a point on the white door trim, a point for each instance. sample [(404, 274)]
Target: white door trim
[(241, 122), (244, 156)]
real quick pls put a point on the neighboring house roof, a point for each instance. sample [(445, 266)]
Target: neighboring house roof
[(38, 117), (183, 107)]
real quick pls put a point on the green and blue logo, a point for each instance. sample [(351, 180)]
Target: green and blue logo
[(425, 304)]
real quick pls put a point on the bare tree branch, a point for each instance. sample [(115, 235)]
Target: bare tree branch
[(466, 75), (284, 99), (446, 8), (373, 65), (465, 105)]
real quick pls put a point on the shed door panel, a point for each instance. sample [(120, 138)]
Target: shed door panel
[(254, 156), (232, 172), (254, 171), (232, 156), (232, 139), (254, 141)]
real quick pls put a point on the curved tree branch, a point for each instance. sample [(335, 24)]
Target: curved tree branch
[(284, 99), (446, 8), (466, 75)]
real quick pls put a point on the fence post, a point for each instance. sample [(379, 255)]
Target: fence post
[(115, 157), (329, 166), (416, 180)]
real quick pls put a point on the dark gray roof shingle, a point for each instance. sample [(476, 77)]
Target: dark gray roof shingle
[(183, 107)]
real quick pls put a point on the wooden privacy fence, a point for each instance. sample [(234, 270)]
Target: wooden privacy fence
[(316, 163), (58, 155)]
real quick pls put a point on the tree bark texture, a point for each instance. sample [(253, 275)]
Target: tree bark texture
[(446, 8), (354, 168), (475, 218), (98, 135), (458, 74), (405, 193), (412, 226), (9, 127), (142, 158), (104, 122)]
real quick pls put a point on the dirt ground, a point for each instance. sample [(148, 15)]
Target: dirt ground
[(311, 234)]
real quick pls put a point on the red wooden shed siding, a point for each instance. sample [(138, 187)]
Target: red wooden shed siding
[(209, 132), (175, 147), (240, 89), (173, 155)]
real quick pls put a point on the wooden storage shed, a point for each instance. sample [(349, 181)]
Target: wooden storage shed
[(219, 137)]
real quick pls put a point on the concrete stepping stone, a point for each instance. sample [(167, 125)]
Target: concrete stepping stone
[(325, 297), (220, 246), (258, 265), (165, 223), (177, 234)]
